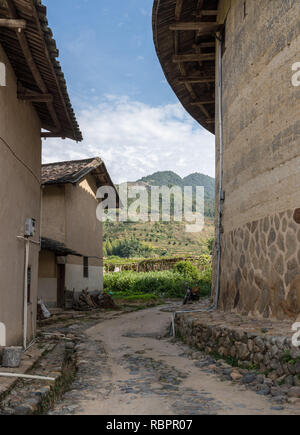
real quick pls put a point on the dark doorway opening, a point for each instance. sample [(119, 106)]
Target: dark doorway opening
[(61, 274)]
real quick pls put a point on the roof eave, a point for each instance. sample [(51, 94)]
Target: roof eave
[(197, 97), (32, 53), (92, 169)]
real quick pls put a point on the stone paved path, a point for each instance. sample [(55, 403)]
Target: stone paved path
[(126, 366)]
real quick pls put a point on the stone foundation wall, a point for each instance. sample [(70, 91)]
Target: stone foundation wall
[(271, 355), (261, 267)]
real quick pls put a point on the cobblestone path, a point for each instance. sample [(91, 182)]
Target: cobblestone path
[(127, 366)]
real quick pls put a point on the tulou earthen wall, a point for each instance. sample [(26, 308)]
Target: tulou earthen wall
[(260, 247)]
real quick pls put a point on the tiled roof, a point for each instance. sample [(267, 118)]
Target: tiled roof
[(68, 172), (37, 68), (75, 171)]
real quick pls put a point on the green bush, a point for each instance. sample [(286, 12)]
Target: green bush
[(127, 248), (163, 284), (210, 245), (187, 270), (205, 281)]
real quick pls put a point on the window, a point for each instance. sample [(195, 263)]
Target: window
[(85, 267), (29, 285), (245, 9)]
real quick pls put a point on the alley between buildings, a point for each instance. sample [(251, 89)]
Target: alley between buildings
[(127, 365)]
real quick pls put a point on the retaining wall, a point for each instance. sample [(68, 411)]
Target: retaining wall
[(269, 354)]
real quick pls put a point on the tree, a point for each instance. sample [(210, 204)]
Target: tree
[(130, 248)]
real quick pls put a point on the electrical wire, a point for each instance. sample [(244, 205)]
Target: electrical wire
[(20, 161)]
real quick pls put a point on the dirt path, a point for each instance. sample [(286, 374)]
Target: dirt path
[(126, 367)]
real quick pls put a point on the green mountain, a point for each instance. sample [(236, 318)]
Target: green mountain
[(165, 178), (202, 180), (166, 238), (169, 178)]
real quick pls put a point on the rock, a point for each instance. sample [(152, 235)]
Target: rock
[(280, 371), (294, 401), (11, 357), (260, 379), (226, 378), (297, 381), (243, 351), (249, 378), (275, 365), (201, 364), (268, 382), (289, 380), (236, 375), (238, 335), (278, 391), (292, 369), (222, 350), (280, 342), (274, 351), (264, 391), (260, 343), (279, 399), (7, 411), (294, 392), (227, 372), (250, 345), (297, 367), (295, 352), (22, 410), (267, 359), (273, 376), (233, 352)]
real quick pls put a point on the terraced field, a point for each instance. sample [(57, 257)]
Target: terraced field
[(168, 237)]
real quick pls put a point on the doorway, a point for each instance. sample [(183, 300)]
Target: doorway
[(61, 274)]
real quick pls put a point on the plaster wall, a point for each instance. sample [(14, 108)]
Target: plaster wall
[(20, 167)]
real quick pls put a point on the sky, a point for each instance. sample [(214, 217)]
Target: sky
[(127, 112)]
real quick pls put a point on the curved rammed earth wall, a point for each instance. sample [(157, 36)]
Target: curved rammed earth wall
[(260, 267)]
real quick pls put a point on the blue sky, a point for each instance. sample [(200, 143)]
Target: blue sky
[(128, 113)]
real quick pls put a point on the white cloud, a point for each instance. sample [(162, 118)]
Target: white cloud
[(135, 139)]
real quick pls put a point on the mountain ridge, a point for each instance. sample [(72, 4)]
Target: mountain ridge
[(169, 238), (167, 178)]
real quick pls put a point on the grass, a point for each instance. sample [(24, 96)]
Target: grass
[(164, 284), (138, 297), (137, 301)]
